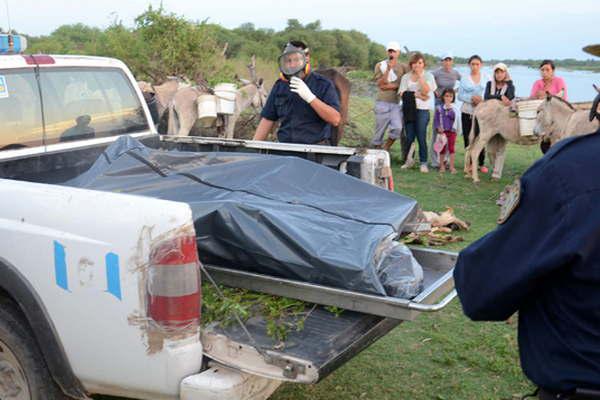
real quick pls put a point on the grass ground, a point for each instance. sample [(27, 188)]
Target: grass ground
[(442, 355)]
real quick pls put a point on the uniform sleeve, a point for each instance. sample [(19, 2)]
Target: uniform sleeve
[(330, 96), (497, 274), (269, 110)]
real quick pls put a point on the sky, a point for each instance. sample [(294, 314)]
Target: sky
[(500, 29)]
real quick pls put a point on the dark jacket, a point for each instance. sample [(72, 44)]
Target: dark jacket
[(409, 106), (299, 123), (544, 262), (509, 92)]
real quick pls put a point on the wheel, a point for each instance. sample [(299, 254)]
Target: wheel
[(23, 372)]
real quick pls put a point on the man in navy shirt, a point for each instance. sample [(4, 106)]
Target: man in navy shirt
[(305, 103), (543, 261)]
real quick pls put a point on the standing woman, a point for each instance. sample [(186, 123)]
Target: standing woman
[(554, 85), (549, 83), (416, 90), (470, 92)]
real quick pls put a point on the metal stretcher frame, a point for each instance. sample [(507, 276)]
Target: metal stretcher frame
[(438, 289)]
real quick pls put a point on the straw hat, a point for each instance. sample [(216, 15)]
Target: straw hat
[(593, 49)]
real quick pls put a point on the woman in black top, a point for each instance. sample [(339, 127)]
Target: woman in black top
[(501, 87)]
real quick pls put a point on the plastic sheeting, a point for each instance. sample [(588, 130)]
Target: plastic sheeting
[(275, 215)]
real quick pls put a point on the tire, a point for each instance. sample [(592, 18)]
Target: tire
[(23, 371)]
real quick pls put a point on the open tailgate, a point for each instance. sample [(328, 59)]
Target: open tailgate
[(327, 341)]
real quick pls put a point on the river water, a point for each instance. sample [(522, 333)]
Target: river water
[(579, 83)]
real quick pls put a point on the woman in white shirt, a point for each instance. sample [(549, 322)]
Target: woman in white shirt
[(470, 92), (416, 90)]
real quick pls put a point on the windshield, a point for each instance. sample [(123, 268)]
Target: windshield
[(81, 103), (20, 113), (78, 103)]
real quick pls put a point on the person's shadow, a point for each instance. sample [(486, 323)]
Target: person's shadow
[(81, 130)]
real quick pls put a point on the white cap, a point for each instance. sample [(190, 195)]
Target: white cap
[(501, 66), (393, 46), (447, 54)]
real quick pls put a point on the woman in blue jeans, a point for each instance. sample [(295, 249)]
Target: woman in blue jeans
[(416, 89)]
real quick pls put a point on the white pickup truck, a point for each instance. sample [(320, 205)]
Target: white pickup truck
[(91, 282)]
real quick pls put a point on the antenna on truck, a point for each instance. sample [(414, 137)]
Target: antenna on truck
[(8, 17)]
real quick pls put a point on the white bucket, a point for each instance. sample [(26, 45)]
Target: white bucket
[(527, 110), (225, 93), (207, 109)]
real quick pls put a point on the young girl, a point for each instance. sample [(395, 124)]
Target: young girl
[(446, 122)]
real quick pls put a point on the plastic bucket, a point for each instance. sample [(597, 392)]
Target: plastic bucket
[(527, 110), (225, 93), (207, 109)]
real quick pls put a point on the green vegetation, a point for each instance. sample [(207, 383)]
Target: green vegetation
[(281, 314)]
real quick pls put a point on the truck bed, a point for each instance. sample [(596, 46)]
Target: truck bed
[(327, 341)]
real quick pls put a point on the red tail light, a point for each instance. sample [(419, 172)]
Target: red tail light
[(174, 292), (391, 181), (39, 59)]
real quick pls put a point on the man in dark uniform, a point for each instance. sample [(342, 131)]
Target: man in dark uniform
[(543, 261), (305, 103)]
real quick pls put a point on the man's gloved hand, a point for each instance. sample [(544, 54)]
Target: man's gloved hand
[(297, 85)]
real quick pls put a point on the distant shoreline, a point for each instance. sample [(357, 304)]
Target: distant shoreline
[(594, 66)]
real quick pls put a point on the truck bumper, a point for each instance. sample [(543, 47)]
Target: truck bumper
[(222, 383)]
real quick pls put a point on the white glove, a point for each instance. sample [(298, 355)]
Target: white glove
[(298, 86)]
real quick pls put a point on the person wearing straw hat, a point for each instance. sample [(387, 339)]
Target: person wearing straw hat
[(528, 264), (388, 113)]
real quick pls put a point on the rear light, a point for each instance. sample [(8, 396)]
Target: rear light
[(174, 292), (39, 59), (390, 182)]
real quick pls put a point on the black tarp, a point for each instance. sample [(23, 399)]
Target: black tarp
[(281, 216)]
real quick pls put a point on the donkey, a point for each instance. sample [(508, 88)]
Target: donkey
[(343, 87), (163, 93), (557, 119), (496, 127), (183, 111), (253, 93)]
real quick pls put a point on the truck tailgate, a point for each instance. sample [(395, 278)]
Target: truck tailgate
[(327, 341)]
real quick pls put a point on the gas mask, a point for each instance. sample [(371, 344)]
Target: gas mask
[(293, 62)]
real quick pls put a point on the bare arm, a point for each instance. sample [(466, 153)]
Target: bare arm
[(424, 85), (325, 111), (263, 129)]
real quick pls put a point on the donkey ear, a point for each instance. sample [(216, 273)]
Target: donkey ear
[(260, 81), (548, 96)]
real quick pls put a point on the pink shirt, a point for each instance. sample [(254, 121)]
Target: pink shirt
[(556, 86)]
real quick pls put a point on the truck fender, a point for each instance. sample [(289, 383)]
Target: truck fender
[(13, 283)]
